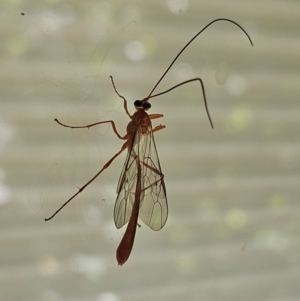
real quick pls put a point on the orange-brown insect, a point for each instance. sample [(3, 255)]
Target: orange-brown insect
[(141, 189)]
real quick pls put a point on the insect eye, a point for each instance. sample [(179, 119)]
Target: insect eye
[(146, 105), (138, 104)]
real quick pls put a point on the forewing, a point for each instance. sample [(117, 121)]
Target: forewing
[(153, 206), (127, 185), (153, 200)]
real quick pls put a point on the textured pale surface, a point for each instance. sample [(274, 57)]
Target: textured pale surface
[(234, 214)]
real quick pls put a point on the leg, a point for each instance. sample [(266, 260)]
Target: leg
[(156, 116), (125, 145), (158, 128), (93, 124), (124, 99)]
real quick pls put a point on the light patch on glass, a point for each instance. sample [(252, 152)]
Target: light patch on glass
[(107, 296), (178, 7), (7, 133), (53, 21), (5, 191), (238, 119), (236, 218), (48, 266), (90, 266), (135, 51), (5, 194), (182, 72), (272, 240), (236, 85)]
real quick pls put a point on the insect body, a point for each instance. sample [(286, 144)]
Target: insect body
[(141, 189)]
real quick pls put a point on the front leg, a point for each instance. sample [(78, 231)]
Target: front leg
[(156, 116), (158, 128)]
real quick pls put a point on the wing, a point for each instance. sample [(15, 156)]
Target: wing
[(153, 203), (153, 206)]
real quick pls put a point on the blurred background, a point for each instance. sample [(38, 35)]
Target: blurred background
[(233, 192)]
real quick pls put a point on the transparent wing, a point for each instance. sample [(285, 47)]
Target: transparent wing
[(153, 203), (153, 206), (126, 191)]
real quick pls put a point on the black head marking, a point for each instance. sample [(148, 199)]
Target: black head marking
[(138, 104), (142, 105), (146, 105)]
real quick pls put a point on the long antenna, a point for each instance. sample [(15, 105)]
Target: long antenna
[(164, 74)]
